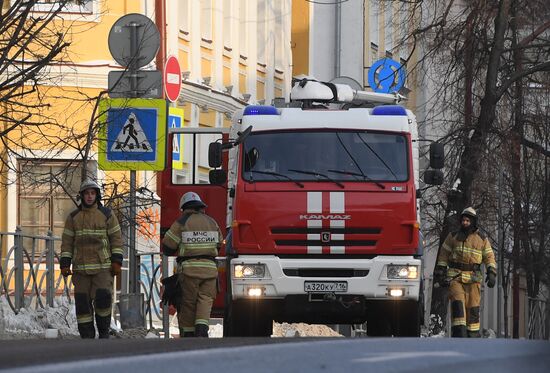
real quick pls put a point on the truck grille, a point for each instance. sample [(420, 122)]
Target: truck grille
[(306, 230), (325, 272), (330, 236)]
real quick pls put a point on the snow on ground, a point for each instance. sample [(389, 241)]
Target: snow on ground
[(31, 323)]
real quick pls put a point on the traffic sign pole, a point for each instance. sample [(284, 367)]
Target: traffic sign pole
[(144, 44)]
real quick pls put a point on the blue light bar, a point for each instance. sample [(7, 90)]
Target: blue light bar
[(260, 110), (389, 110)]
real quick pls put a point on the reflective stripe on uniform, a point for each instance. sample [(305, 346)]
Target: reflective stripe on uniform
[(114, 229), (202, 264), (206, 248), (68, 232), (117, 250), (83, 267), (82, 319), (104, 312), (173, 237), (66, 254), (91, 232), (201, 321)]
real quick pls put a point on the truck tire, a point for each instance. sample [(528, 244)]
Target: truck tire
[(394, 318), (408, 322), (247, 319)]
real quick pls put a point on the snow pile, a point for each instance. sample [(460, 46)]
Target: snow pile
[(303, 330), (435, 328), (33, 323), (215, 331)]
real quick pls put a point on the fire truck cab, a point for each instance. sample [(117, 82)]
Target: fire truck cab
[(320, 206)]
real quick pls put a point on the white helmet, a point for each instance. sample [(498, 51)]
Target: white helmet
[(88, 184), (469, 211), (191, 200)]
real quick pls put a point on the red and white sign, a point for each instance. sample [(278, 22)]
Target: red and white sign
[(172, 78)]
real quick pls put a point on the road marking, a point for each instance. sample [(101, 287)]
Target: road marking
[(387, 356)]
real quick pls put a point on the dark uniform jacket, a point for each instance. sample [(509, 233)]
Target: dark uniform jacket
[(91, 240), (195, 238), (464, 258)]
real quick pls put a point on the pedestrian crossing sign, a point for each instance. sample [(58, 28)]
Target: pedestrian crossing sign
[(132, 134), (175, 120)]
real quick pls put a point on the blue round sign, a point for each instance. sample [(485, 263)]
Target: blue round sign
[(386, 76)]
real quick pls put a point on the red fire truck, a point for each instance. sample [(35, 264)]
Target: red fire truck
[(319, 202)]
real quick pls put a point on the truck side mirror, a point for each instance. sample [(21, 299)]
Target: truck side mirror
[(217, 177), (437, 155), (433, 177), (215, 155)]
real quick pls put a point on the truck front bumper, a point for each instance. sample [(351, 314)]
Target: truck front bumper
[(363, 277)]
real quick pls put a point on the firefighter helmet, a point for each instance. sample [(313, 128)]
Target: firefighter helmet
[(191, 200), (470, 212), (89, 184)]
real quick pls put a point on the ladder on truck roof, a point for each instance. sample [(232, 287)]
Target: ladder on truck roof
[(309, 91)]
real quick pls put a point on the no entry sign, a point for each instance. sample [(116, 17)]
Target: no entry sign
[(172, 78)]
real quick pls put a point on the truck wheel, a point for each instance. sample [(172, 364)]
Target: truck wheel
[(407, 323), (247, 319), (378, 320)]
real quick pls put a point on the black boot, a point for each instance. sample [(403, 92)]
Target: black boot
[(86, 330), (473, 334), (201, 330), (103, 312), (188, 334), (459, 331), (103, 326)]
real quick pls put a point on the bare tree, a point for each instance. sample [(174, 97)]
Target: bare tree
[(481, 55)]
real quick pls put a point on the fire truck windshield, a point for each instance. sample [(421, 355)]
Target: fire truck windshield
[(343, 155)]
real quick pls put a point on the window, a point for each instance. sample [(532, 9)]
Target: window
[(389, 26), (190, 157), (404, 26), (277, 31), (373, 21), (46, 193), (72, 6), (373, 53), (342, 156)]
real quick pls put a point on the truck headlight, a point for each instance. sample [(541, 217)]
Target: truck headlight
[(402, 271), (249, 270)]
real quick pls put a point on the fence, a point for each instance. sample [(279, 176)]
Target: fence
[(29, 278), (539, 319)]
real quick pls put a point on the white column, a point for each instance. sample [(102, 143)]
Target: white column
[(251, 53), (235, 45), (195, 20), (287, 60), (172, 28), (270, 50), (217, 35)]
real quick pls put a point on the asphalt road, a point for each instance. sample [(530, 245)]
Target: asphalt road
[(441, 355)]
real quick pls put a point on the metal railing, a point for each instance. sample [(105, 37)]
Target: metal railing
[(152, 267), (27, 274)]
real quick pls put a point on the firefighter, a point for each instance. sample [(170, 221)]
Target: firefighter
[(195, 238), (459, 267), (92, 244)]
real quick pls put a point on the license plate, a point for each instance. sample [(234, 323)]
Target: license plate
[(325, 286)]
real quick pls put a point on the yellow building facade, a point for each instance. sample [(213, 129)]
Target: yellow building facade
[(231, 52)]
